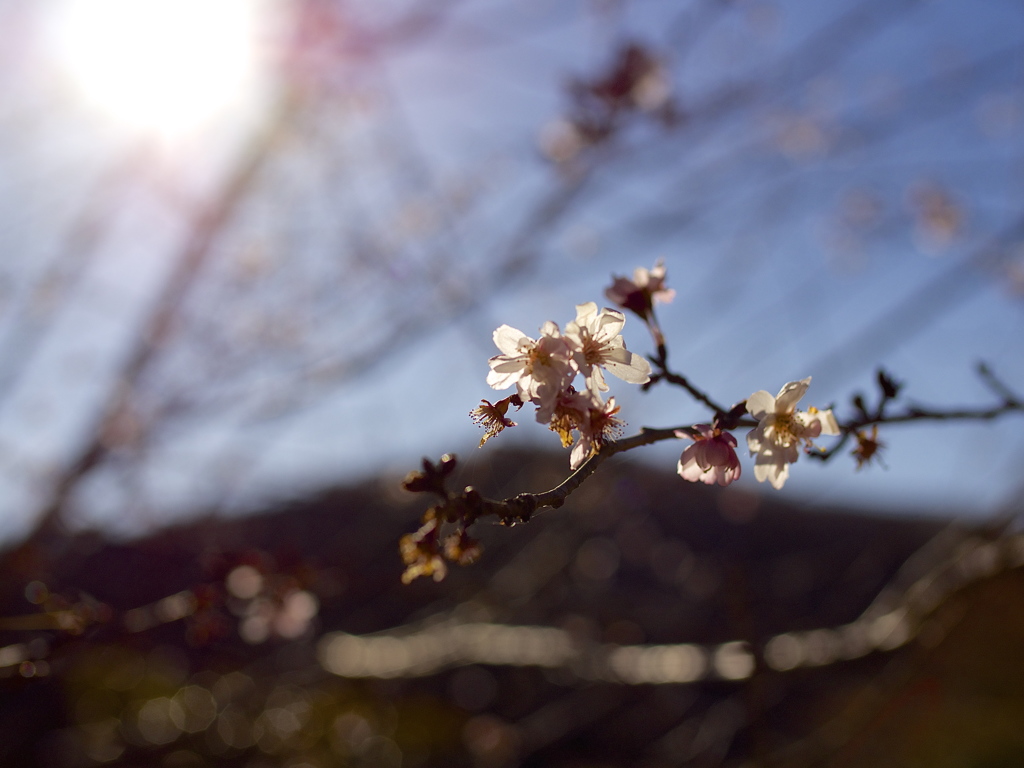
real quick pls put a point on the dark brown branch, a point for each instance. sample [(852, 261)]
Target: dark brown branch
[(469, 505)]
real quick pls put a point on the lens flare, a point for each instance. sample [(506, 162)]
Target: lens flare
[(166, 67)]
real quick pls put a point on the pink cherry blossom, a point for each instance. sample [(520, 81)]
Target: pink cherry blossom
[(640, 294), (712, 457)]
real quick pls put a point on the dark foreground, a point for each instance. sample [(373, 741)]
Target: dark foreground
[(649, 623)]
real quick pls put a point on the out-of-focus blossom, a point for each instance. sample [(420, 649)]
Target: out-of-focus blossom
[(531, 363), (939, 219), (420, 552), (600, 426), (782, 430), (712, 457), (640, 294), (596, 343), (561, 141), (287, 615), (636, 85), (867, 448), (461, 548), (492, 416)]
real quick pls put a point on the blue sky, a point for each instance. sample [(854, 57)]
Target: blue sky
[(826, 205)]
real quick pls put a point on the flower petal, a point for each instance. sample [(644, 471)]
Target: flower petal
[(716, 453), (829, 425), (500, 380), (790, 395), (637, 371), (768, 467), (508, 339), (688, 467), (760, 404), (756, 439), (580, 452), (609, 325), (595, 382), (550, 328), (585, 313)]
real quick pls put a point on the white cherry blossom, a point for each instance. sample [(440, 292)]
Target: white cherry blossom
[(566, 413), (782, 430), (596, 343), (531, 364)]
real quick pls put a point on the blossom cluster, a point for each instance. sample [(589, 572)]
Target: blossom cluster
[(562, 373), (775, 442), (544, 371)]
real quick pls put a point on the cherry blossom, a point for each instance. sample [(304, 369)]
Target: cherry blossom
[(712, 457), (596, 343), (531, 363), (782, 430), (868, 448), (420, 551), (640, 294), (599, 427), (491, 416), (544, 370), (461, 548), (565, 413)]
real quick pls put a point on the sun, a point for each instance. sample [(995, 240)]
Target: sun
[(164, 67)]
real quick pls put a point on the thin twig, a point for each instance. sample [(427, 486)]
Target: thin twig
[(664, 374), (520, 508), (918, 413)]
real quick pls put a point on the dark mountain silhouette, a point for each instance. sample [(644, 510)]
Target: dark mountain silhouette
[(649, 622)]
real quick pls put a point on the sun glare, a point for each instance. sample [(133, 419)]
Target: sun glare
[(165, 67)]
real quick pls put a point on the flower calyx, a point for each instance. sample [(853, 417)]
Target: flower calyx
[(868, 448)]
